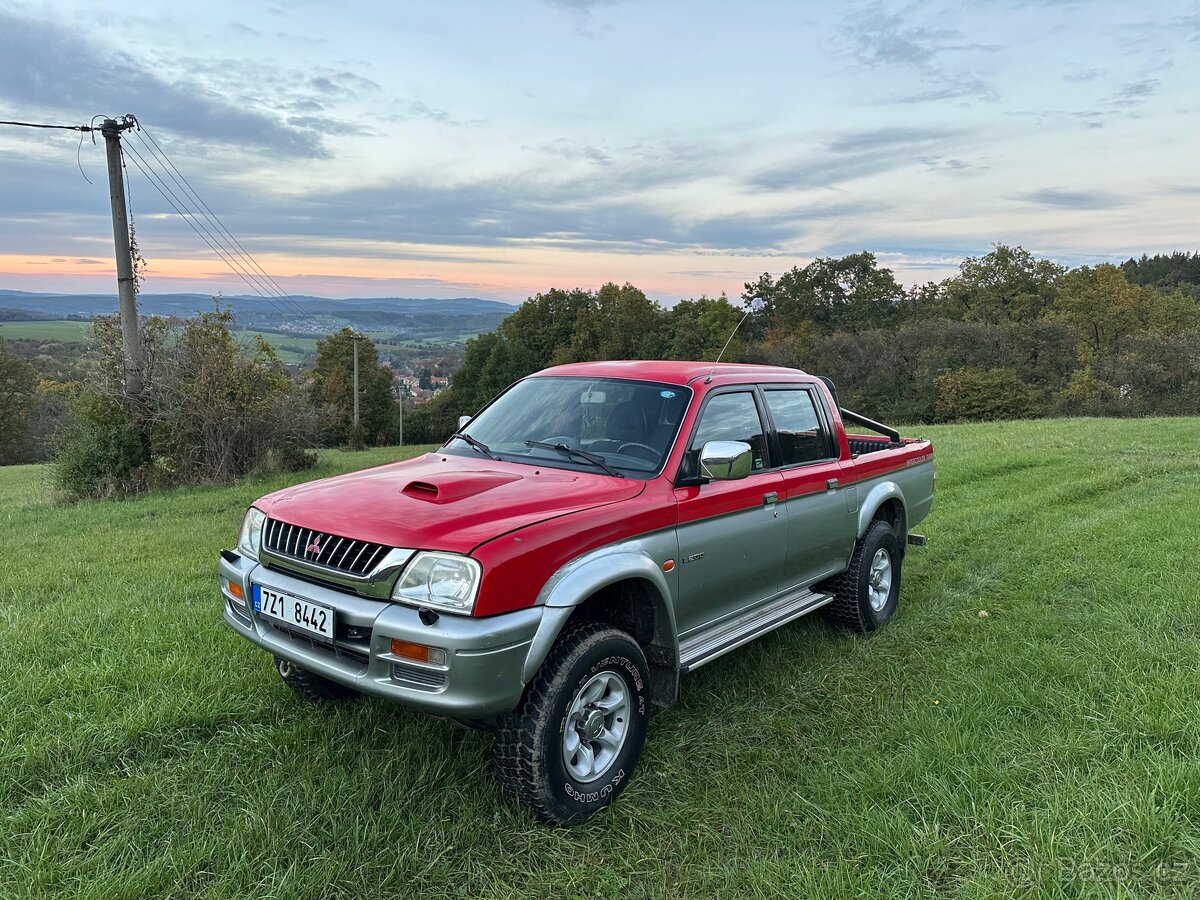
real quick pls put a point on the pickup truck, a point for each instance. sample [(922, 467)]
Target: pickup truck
[(591, 535)]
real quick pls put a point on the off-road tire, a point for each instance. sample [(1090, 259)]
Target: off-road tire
[(851, 607), (529, 755), (311, 686)]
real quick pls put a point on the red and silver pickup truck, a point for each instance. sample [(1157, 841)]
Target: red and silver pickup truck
[(594, 533)]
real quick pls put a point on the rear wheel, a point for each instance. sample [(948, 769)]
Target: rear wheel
[(867, 593), (570, 747), (310, 685)]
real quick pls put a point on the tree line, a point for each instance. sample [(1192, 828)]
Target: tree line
[(1009, 336)]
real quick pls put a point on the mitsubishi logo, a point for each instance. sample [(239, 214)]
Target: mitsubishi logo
[(315, 546)]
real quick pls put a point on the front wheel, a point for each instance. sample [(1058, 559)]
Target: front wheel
[(570, 747), (867, 593)]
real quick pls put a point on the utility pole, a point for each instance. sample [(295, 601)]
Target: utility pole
[(354, 341), (126, 285)]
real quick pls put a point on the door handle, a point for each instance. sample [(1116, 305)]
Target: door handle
[(831, 484), (770, 498)]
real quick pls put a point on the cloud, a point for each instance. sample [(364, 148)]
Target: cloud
[(52, 68), (582, 12), (858, 155), (1075, 74), (881, 39), (1084, 200), (419, 109), (1132, 94)]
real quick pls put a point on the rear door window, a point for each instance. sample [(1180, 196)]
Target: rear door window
[(803, 436)]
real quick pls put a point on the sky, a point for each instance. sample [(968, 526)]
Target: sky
[(499, 149)]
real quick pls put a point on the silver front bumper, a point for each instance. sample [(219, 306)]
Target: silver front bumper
[(485, 657)]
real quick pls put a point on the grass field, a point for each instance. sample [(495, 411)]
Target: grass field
[(68, 332), (292, 349), (1048, 749)]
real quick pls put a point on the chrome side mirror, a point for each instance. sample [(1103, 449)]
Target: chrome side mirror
[(726, 460), (462, 422)]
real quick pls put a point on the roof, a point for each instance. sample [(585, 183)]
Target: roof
[(670, 372)]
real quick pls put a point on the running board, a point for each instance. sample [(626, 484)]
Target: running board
[(695, 652)]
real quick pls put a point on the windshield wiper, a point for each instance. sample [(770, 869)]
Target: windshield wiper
[(473, 443), (593, 458)]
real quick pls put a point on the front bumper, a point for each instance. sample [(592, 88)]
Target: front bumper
[(485, 657)]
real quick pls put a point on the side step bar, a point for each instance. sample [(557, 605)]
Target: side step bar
[(696, 651)]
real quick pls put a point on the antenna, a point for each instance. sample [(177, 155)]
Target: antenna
[(754, 306)]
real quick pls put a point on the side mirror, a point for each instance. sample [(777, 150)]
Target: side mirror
[(726, 460), (462, 422)]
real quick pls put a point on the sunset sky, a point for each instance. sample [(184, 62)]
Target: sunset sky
[(497, 149)]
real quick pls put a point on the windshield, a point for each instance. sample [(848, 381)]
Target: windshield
[(628, 426)]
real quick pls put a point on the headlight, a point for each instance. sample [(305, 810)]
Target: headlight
[(251, 534), (443, 581)]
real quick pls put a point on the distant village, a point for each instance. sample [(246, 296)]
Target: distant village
[(416, 388)]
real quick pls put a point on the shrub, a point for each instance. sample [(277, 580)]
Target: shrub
[(211, 410), (985, 394), (101, 451)]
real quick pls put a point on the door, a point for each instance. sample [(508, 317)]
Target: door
[(732, 534), (821, 521)]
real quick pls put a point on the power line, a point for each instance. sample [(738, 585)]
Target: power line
[(161, 154), (58, 127), (179, 206), (215, 234)]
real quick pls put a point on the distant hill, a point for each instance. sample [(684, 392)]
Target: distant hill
[(406, 318)]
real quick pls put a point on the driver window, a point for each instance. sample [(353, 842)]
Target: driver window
[(729, 417)]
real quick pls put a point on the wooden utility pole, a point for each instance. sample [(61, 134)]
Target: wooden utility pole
[(126, 285)]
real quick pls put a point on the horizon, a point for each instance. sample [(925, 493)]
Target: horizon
[(498, 152)]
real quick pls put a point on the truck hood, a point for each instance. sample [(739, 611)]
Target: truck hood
[(442, 502)]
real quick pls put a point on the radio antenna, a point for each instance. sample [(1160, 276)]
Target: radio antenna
[(754, 306)]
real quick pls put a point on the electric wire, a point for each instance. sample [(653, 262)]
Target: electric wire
[(223, 243), (177, 205), (186, 186), (184, 206), (57, 127)]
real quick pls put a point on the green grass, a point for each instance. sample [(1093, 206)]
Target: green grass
[(1049, 749), (68, 332), (292, 349)]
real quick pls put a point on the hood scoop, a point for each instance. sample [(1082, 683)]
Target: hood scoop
[(457, 486)]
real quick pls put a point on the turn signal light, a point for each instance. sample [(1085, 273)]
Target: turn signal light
[(418, 652), (236, 590)]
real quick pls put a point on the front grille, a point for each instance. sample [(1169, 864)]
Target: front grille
[(322, 549)]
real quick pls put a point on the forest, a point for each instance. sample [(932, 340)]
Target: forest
[(1010, 336)]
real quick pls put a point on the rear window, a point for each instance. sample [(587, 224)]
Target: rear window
[(802, 434)]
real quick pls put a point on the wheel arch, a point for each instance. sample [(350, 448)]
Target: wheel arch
[(884, 501), (625, 588)]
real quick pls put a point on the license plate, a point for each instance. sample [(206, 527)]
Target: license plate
[(303, 615)]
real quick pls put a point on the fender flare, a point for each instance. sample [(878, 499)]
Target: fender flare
[(580, 579), (876, 497)]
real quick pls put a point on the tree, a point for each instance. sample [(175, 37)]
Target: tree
[(1178, 271), (1007, 285), (617, 323), (212, 409), (850, 294), (18, 387), (698, 329), (1106, 309), (332, 391)]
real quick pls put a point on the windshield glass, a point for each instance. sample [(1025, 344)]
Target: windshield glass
[(628, 425)]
